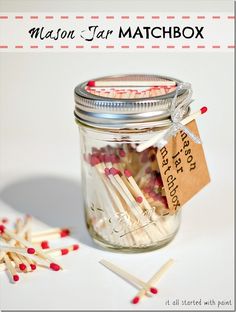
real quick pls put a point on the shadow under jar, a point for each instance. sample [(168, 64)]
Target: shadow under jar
[(124, 198)]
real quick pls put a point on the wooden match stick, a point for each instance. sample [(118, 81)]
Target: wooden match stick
[(25, 261), (21, 230), (141, 147), (11, 242), (128, 277), (18, 263), (142, 197), (153, 280), (43, 244), (49, 237), (19, 225), (127, 196), (3, 266), (62, 251), (124, 83), (120, 206), (22, 251), (113, 187), (107, 190), (28, 232), (145, 220), (63, 232), (2, 253), (11, 268)]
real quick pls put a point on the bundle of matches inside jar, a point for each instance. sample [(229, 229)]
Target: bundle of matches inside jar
[(22, 251), (131, 181)]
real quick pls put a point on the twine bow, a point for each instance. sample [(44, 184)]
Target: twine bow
[(177, 113)]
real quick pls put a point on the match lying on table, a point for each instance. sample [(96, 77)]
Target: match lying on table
[(153, 281), (129, 277), (19, 253)]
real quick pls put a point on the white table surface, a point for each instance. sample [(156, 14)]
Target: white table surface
[(40, 175)]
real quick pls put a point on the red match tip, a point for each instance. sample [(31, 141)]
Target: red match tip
[(122, 153), (64, 251), (16, 278), (102, 158), (139, 199), (65, 232), (54, 266), (115, 159), (2, 228), (107, 158), (135, 300), (94, 160), (75, 247), (22, 266), (4, 220), (31, 251), (107, 171), (44, 245), (91, 83), (153, 290), (114, 171), (203, 109), (127, 173), (33, 267)]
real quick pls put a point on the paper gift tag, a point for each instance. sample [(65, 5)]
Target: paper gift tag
[(183, 168)]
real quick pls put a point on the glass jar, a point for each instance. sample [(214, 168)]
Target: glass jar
[(124, 198)]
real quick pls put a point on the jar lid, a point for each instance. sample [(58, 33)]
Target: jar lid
[(127, 101)]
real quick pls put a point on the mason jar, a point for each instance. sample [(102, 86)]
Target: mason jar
[(124, 199)]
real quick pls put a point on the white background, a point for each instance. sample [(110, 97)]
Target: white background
[(40, 174)]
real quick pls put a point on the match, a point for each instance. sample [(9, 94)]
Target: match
[(129, 277)]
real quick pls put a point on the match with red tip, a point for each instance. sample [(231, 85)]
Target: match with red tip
[(33, 266), (94, 161), (139, 199), (30, 251), (115, 159), (107, 171), (44, 245), (64, 251), (135, 300), (54, 266), (65, 232), (16, 278), (75, 247), (2, 228), (114, 171), (203, 109), (153, 290), (91, 83), (22, 266), (127, 173), (107, 158), (122, 153)]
